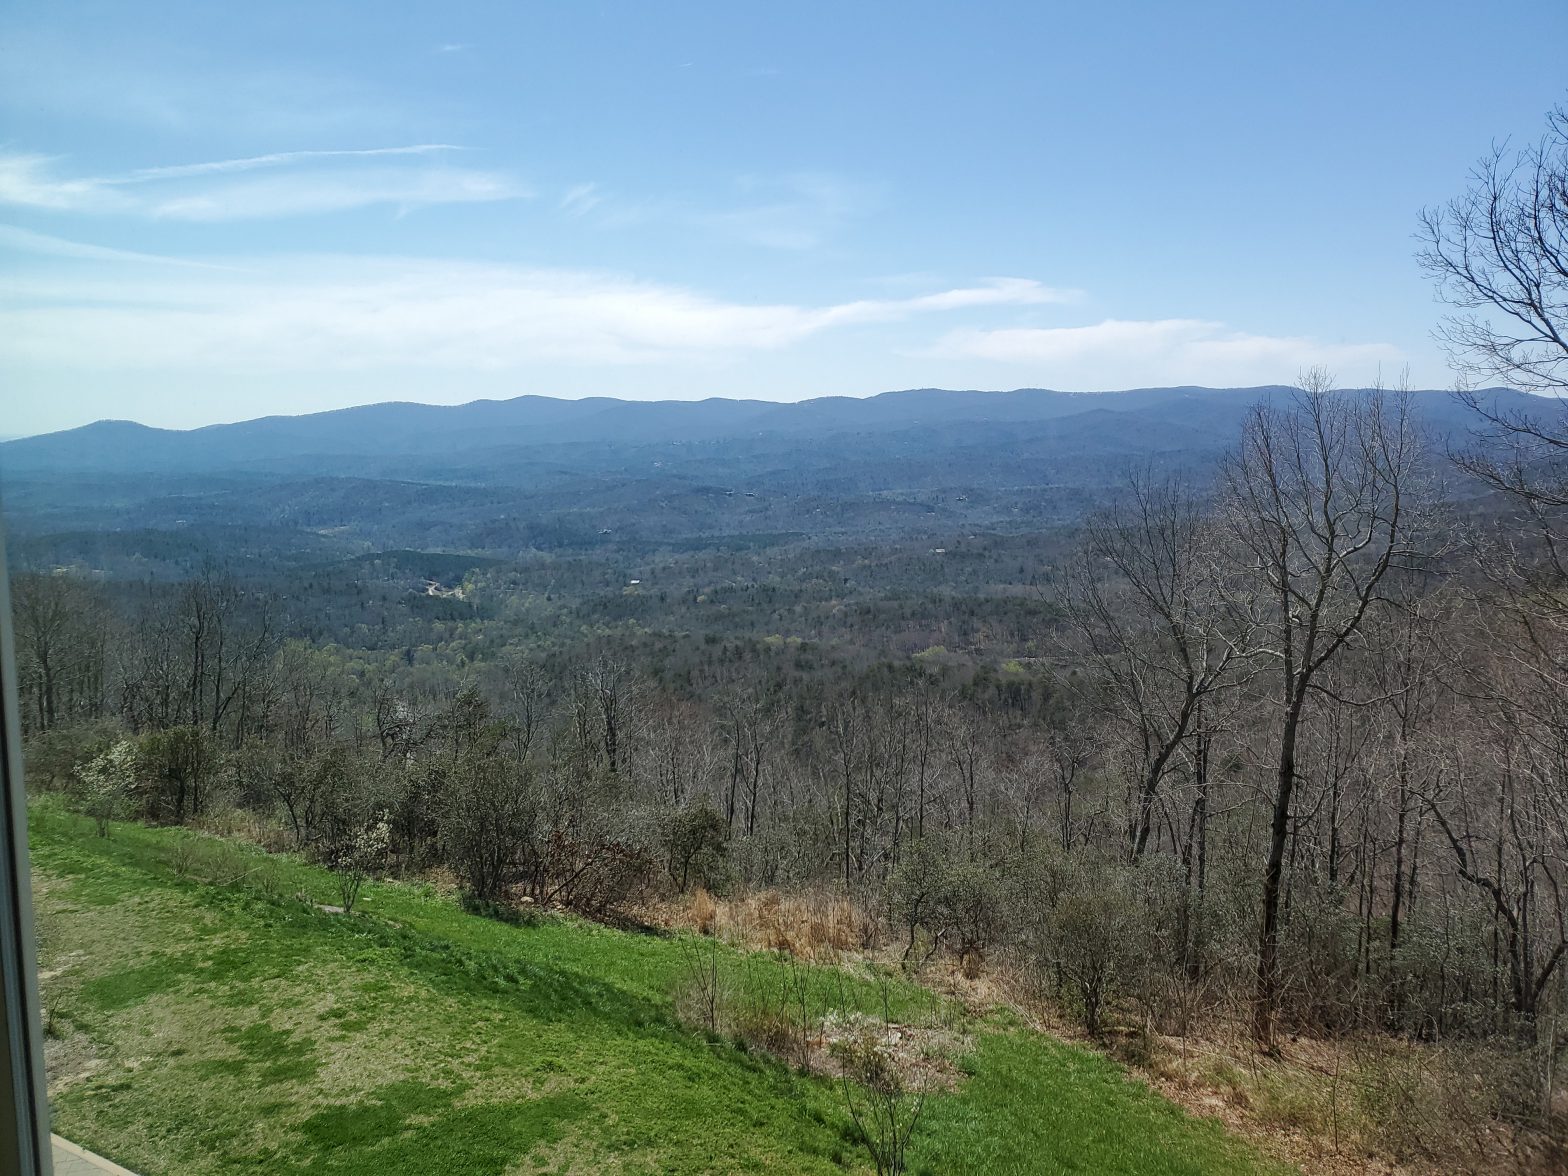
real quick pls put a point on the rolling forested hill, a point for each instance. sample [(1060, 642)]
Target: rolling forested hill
[(533, 473)]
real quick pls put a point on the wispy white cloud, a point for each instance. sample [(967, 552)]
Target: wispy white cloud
[(581, 199), (275, 159), (991, 292), (323, 314), (797, 211), (292, 183), (26, 180), (335, 192), (1123, 352), (26, 241)]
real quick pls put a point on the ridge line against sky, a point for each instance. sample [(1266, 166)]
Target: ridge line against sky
[(1085, 395), (217, 215)]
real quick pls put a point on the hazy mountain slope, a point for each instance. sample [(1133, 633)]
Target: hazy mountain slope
[(500, 477), (373, 439)]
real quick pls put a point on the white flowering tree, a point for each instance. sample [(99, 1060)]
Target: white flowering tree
[(363, 853), (106, 784)]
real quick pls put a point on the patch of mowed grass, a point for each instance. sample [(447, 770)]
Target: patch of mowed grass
[(1034, 1105), (233, 1030)]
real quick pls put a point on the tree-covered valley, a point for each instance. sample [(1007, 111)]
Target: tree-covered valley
[(1063, 757)]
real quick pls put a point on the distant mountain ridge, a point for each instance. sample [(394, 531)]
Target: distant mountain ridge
[(594, 476), (445, 440)]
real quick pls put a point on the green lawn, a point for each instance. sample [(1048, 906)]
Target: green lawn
[(204, 1028)]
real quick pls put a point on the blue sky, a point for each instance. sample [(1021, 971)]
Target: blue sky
[(210, 212)]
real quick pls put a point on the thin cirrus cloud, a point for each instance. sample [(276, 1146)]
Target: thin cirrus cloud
[(581, 199), (279, 184), (1121, 352), (792, 212), (27, 241), (273, 159), (314, 314)]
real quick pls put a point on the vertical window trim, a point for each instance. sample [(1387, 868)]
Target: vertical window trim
[(24, 1105)]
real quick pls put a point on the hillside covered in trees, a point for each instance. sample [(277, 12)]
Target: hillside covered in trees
[(1305, 683)]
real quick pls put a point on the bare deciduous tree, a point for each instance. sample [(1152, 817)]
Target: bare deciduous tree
[(1502, 808), (1141, 600), (1501, 249), (61, 628), (1319, 500), (1499, 255)]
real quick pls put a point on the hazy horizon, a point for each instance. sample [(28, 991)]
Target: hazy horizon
[(205, 424)]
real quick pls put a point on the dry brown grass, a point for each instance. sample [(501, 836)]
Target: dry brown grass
[(1372, 1104), (704, 911), (1378, 1106), (816, 926), (236, 824)]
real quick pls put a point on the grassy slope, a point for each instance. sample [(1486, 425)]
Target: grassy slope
[(210, 1028)]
